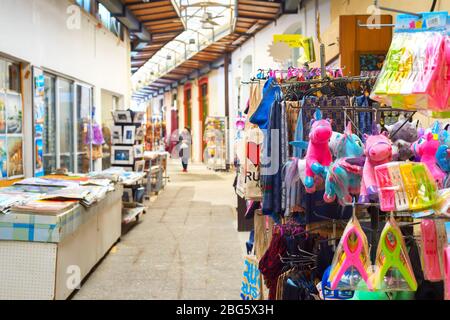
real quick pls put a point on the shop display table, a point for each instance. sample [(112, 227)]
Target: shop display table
[(157, 170), (44, 257)]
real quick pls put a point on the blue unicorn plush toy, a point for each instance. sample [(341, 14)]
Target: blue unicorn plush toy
[(343, 178)]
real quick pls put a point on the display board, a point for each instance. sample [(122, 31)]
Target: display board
[(38, 120), (11, 122), (215, 153)]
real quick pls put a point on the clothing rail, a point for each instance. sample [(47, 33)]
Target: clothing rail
[(323, 81)]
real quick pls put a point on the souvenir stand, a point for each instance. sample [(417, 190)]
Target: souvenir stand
[(359, 202), (156, 169), (215, 156), (127, 153), (46, 250)]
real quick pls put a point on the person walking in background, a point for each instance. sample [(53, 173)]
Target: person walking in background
[(185, 148)]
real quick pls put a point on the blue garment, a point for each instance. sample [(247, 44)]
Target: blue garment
[(316, 208), (261, 116), (272, 180), (365, 119), (298, 153)]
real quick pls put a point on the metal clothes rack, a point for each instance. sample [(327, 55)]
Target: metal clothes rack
[(361, 25), (372, 209)]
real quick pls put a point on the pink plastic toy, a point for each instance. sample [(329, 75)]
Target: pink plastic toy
[(432, 269), (378, 151), (427, 152), (318, 155), (386, 187), (447, 273), (352, 258)]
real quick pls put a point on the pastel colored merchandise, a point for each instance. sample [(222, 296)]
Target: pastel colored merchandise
[(343, 178), (431, 263), (401, 200), (352, 255), (419, 186), (378, 151), (447, 273), (395, 272), (428, 151), (318, 156), (386, 188)]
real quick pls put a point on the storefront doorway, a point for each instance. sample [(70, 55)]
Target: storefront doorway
[(67, 114), (204, 111)]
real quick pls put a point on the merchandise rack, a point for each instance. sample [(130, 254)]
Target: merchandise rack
[(134, 208)]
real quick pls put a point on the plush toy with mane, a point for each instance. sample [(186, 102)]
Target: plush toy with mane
[(343, 178), (318, 156), (428, 152), (378, 151), (443, 153), (405, 135)]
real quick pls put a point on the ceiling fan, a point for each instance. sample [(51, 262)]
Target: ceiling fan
[(208, 18)]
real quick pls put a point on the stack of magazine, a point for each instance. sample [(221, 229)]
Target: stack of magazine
[(8, 201), (45, 207), (86, 195)]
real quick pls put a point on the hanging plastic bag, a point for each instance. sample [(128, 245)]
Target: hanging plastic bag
[(251, 288)]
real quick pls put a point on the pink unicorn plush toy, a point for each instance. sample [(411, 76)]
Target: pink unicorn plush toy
[(427, 151), (378, 151), (318, 156)]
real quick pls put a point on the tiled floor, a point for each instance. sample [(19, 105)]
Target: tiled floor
[(186, 247)]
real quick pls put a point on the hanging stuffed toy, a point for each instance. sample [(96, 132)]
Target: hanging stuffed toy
[(343, 178), (378, 151), (405, 135), (443, 152), (318, 156), (428, 151)]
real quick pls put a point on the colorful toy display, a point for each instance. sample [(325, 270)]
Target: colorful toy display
[(318, 155), (352, 256), (427, 152), (378, 151), (414, 75), (343, 178), (394, 267), (431, 264)]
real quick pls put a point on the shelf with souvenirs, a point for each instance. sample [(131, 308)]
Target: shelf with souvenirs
[(50, 224), (354, 208), (155, 135), (11, 122), (127, 154), (215, 154)]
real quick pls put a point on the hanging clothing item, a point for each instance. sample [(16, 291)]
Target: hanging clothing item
[(292, 114), (249, 172), (271, 266), (300, 286), (365, 119), (274, 156), (332, 108), (261, 116)]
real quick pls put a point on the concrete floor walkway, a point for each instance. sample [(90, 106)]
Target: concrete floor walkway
[(186, 247)]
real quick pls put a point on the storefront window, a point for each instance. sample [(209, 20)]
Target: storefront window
[(11, 121), (49, 130), (84, 110), (108, 21), (66, 122), (85, 4)]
